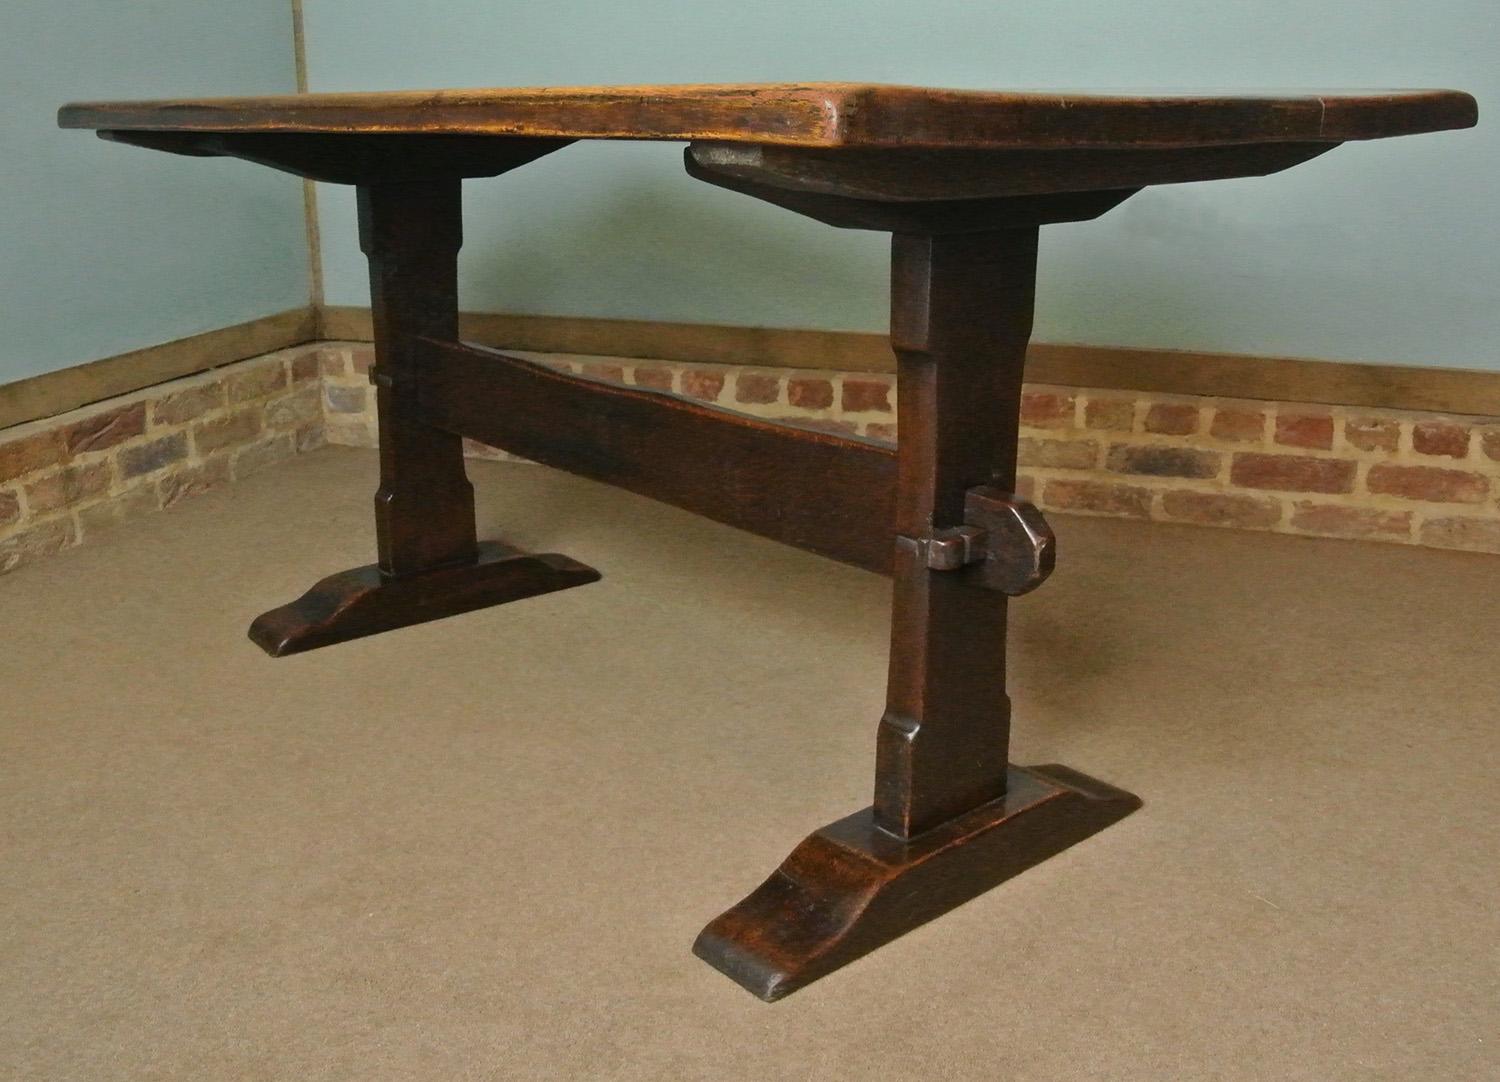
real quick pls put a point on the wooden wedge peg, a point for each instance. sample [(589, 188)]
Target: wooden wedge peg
[(1019, 548)]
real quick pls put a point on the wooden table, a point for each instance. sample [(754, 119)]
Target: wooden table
[(962, 180)]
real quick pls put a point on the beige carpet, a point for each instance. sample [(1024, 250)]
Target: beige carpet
[(481, 848)]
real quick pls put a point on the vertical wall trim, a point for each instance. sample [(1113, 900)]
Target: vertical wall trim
[(309, 189)]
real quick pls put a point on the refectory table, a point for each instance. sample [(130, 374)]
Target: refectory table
[(962, 180)]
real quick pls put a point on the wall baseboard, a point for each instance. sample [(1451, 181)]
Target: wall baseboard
[(58, 392), (1156, 371)]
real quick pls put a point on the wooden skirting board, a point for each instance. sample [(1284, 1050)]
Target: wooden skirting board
[(1157, 371), (57, 392)]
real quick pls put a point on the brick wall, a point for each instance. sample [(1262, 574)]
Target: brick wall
[(1405, 477), (1383, 475), (66, 479)]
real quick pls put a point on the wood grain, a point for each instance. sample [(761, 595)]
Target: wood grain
[(366, 601), (828, 494), (851, 888), (818, 115)]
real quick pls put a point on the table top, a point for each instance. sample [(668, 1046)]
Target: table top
[(819, 115)]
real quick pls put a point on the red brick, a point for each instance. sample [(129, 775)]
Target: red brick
[(293, 410), (1112, 414), (1440, 438), (224, 432), (1172, 418), (331, 362), (613, 373), (1045, 409), (68, 486), (1310, 430), (864, 395), (881, 430), (1026, 487), (10, 507), (29, 454), (1372, 433), (1351, 521), (810, 394), (257, 381), (1057, 454), (1238, 425), (1159, 461), (43, 539), (658, 377), (144, 458), (702, 383), (305, 367), (1479, 534), (756, 387), (1221, 509), (1428, 483), (183, 406), (105, 429), (1098, 497), (1291, 473), (361, 360), (193, 480), (1489, 443)]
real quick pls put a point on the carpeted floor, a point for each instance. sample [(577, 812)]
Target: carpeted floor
[(481, 848)]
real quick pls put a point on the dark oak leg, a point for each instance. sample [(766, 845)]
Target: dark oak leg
[(951, 818), (430, 563)]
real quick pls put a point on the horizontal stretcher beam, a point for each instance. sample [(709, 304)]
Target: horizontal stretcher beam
[(829, 494)]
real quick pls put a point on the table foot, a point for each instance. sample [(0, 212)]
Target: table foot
[(852, 887), (365, 601)]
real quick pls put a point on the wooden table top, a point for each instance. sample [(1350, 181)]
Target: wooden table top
[(819, 115)]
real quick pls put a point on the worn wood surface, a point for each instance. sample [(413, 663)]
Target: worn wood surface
[(945, 823), (818, 491), (852, 887), (819, 115), (354, 158), (903, 175), (950, 817), (430, 562), (961, 309), (851, 210), (424, 510), (366, 601)]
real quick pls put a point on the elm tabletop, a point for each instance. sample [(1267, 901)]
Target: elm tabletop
[(962, 180)]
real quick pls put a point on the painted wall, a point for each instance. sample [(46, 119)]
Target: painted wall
[(105, 248), (1376, 252)]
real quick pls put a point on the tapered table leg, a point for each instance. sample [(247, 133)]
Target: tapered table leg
[(430, 562), (951, 817)]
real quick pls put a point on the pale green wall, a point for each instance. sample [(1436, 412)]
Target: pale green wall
[(1375, 252), (105, 248)]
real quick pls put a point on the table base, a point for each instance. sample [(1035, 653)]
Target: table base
[(852, 887)]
